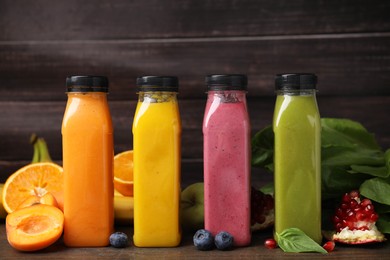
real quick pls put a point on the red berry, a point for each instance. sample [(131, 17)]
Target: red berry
[(329, 246), (270, 243)]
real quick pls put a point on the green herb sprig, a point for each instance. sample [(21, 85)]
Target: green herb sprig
[(294, 240)]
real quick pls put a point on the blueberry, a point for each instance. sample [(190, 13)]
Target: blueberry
[(224, 240), (119, 239), (203, 240)]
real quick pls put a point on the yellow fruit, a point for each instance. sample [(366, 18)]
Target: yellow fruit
[(123, 173), (123, 210), (33, 179)]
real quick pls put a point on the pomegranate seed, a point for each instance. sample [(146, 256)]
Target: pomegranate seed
[(329, 246), (339, 227), (369, 208), (270, 243), (360, 216), (374, 217), (353, 204), (339, 213), (354, 213), (351, 225), (354, 194), (336, 219), (366, 202), (346, 198)]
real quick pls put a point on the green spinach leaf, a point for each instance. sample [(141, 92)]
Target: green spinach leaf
[(346, 133), (336, 180), (371, 170), (377, 189), (263, 148), (383, 224)]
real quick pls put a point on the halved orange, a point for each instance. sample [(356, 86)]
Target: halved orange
[(123, 172), (33, 179)]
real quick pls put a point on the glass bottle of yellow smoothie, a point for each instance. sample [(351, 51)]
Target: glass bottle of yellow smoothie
[(87, 142), (297, 159), (156, 140)]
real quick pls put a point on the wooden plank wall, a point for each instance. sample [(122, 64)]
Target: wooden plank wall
[(345, 42)]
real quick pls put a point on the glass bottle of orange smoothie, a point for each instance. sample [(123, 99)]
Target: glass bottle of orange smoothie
[(297, 157), (156, 141), (87, 141)]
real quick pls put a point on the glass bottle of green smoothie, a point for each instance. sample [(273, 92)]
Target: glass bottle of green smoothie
[(297, 159)]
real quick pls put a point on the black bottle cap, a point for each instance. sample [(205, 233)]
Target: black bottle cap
[(227, 82), (158, 83), (87, 84), (295, 81)]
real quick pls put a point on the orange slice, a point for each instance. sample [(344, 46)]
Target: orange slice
[(123, 173), (33, 179)]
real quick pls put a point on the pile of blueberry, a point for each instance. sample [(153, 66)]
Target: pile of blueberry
[(204, 240)]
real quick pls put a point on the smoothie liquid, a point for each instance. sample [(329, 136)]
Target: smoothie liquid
[(157, 131), (226, 132), (297, 163), (87, 136)]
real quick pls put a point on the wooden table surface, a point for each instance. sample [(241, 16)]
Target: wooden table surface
[(187, 251)]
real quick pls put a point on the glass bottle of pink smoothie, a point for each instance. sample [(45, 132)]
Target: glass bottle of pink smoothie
[(226, 155)]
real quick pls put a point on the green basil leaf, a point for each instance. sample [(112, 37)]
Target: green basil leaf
[(294, 240), (377, 189)]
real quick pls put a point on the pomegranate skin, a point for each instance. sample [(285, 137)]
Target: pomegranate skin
[(262, 210)]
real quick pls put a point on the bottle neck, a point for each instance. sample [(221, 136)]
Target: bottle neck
[(227, 96), (296, 92), (87, 95), (157, 96)]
